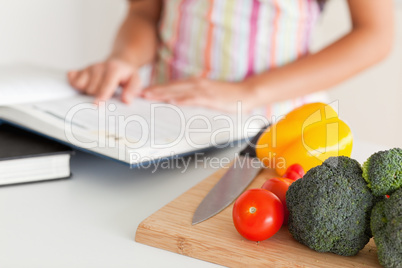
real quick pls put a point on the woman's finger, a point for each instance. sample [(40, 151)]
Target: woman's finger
[(72, 79), (96, 73), (131, 89), (172, 87), (166, 95), (81, 80), (185, 101), (108, 86), (167, 92), (71, 75)]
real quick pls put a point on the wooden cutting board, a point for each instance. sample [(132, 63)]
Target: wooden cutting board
[(216, 239)]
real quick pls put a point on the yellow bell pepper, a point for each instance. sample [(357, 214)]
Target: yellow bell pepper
[(308, 135)]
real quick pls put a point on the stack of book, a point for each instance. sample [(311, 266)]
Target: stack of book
[(26, 157)]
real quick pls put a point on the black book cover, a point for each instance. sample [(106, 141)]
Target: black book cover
[(16, 143)]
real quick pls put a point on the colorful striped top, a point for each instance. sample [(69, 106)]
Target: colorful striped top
[(230, 40)]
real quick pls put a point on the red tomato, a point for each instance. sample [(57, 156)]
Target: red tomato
[(279, 186), (294, 172), (294, 176), (257, 214), (286, 180)]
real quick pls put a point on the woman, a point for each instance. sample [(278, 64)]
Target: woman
[(214, 53)]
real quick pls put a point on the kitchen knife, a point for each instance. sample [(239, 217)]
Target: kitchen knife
[(242, 172)]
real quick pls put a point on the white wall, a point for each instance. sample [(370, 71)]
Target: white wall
[(60, 33), (72, 33), (370, 102)]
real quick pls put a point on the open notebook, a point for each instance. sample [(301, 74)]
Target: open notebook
[(41, 100)]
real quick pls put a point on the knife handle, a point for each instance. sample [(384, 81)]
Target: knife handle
[(250, 149)]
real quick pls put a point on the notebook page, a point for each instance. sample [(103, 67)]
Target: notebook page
[(142, 119), (25, 84)]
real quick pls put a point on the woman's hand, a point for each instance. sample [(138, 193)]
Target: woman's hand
[(202, 92), (135, 46), (102, 79)]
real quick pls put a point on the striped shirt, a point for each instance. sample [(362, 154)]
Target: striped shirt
[(230, 40)]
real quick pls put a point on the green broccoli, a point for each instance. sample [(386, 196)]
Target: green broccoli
[(386, 224), (383, 171), (329, 208)]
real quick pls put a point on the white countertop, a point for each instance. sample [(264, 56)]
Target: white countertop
[(91, 219)]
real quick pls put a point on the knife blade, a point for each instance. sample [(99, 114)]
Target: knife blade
[(231, 185)]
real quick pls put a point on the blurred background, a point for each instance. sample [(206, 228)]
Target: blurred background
[(73, 33)]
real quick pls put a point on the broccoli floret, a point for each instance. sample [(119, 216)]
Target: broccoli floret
[(383, 171), (329, 208), (386, 224)]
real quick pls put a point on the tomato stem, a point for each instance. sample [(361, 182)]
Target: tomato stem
[(252, 210)]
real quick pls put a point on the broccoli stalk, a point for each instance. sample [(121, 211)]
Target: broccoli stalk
[(329, 208), (386, 225), (383, 171)]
